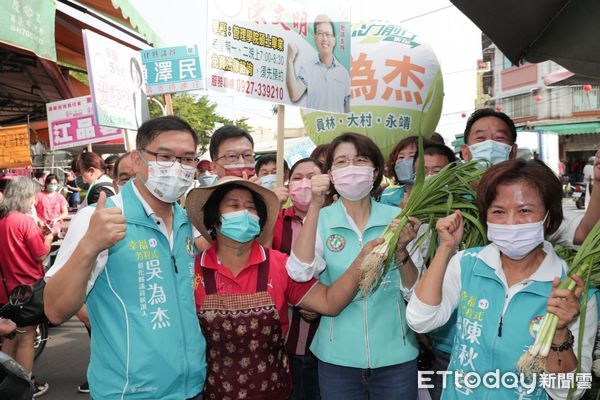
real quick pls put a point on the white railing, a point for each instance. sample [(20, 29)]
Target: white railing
[(585, 100)]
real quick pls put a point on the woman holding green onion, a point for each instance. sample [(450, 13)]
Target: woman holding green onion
[(501, 291), (367, 351)]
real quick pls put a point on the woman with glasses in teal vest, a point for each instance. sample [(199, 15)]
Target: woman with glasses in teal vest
[(502, 291), (367, 351)]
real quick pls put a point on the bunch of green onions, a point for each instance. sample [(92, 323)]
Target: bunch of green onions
[(586, 265), (430, 200)]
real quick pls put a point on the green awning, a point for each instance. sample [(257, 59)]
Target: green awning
[(581, 128), (29, 25), (137, 21)]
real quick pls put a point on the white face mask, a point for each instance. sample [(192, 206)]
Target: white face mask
[(168, 184), (516, 241)]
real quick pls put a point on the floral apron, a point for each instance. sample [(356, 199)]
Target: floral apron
[(246, 353)]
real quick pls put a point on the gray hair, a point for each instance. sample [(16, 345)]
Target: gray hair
[(17, 194)]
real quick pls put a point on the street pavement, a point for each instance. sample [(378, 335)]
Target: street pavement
[(63, 363), (64, 360)]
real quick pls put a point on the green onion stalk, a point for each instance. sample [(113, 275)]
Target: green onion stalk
[(586, 265), (430, 200)]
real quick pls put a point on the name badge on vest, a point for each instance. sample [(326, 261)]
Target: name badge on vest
[(336, 243), (189, 246), (535, 325), (483, 304)]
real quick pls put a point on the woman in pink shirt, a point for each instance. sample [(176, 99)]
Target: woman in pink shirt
[(51, 207)]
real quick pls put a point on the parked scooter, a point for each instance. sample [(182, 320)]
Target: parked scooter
[(15, 300), (578, 194)]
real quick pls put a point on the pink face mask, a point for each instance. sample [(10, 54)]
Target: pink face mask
[(301, 194), (352, 182)]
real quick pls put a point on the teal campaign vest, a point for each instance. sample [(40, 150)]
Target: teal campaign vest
[(392, 195), (371, 332), (483, 344), (146, 341), (442, 338)]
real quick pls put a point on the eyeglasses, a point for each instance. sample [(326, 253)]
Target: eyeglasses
[(360, 161), (324, 35), (167, 160), (235, 157)]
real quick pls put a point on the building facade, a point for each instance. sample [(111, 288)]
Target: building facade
[(556, 112)]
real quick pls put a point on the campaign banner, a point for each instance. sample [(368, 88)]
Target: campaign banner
[(29, 25), (287, 52), (71, 123), (171, 70), (14, 147), (116, 82), (397, 88)]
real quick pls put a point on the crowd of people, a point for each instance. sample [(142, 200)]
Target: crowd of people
[(204, 279)]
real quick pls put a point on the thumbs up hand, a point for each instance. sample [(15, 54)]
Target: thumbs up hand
[(107, 226)]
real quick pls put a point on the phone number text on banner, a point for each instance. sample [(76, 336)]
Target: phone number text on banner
[(247, 61)]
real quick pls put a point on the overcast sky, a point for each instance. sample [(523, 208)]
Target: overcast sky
[(454, 38)]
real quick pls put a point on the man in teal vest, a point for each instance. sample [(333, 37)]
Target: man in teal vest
[(130, 259)]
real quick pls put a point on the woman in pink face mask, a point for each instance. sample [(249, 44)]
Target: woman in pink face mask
[(303, 323), (371, 332)]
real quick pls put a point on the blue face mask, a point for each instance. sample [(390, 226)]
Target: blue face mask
[(207, 179), (404, 171), (268, 181), (241, 226), (490, 150)]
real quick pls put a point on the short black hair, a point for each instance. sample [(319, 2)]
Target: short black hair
[(212, 216), (224, 133), (109, 164), (269, 158), (111, 159), (432, 149), (437, 138), (115, 174), (304, 160), (488, 112), (365, 147), (150, 129)]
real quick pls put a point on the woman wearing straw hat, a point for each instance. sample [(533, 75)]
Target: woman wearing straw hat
[(242, 291)]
